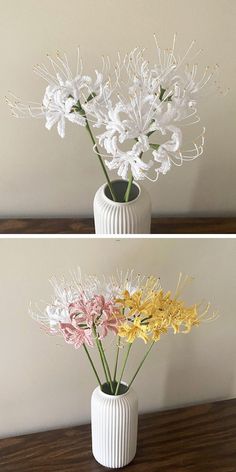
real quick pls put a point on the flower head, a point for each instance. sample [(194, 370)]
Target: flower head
[(97, 312), (136, 303), (139, 109), (85, 310), (57, 106), (89, 308), (129, 161), (153, 102), (65, 96), (134, 331), (149, 313), (76, 335), (78, 310)]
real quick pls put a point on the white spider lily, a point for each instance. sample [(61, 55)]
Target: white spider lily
[(129, 106), (126, 162), (171, 153), (57, 311), (55, 315), (52, 315), (59, 74), (64, 92), (57, 108), (130, 120), (160, 99), (162, 154)]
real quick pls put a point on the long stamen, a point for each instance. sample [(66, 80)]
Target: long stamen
[(78, 62)]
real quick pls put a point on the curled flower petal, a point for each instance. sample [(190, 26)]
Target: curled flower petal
[(76, 336)]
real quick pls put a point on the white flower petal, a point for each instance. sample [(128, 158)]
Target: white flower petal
[(162, 157), (76, 118), (61, 127)]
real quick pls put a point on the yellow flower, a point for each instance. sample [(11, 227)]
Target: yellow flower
[(135, 303), (157, 312), (187, 317), (160, 302), (158, 328), (133, 331)]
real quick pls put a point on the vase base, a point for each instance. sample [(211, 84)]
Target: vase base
[(112, 465)]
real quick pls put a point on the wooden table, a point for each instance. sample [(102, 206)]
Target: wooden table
[(199, 438), (175, 225)]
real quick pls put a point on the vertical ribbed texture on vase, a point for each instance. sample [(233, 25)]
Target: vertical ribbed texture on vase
[(114, 427), (122, 218)]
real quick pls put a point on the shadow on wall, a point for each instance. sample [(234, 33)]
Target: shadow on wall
[(209, 186), (214, 187), (196, 378)]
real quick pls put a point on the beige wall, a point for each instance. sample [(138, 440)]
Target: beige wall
[(40, 174), (46, 383)]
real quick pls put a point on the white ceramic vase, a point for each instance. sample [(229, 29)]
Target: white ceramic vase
[(114, 427), (133, 217)]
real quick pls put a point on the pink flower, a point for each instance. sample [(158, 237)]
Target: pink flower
[(98, 312), (108, 323), (85, 310), (109, 318), (76, 335)]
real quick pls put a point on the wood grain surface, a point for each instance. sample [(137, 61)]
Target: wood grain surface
[(199, 438), (86, 226)]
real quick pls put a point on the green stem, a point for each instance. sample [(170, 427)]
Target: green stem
[(101, 160), (123, 368), (129, 186), (117, 357), (140, 365), (93, 366), (99, 350), (101, 353), (103, 363), (107, 366)]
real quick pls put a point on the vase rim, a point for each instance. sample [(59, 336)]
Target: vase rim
[(113, 397), (104, 186)]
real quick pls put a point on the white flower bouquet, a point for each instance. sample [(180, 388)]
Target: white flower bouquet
[(137, 110)]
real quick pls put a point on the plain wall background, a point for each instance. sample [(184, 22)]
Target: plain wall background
[(44, 175), (46, 383)]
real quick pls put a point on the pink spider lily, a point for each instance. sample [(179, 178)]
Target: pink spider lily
[(76, 335), (97, 312)]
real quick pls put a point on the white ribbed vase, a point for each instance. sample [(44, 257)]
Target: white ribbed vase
[(111, 217), (114, 427)]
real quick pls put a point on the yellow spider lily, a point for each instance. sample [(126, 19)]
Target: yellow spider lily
[(133, 331), (135, 303), (150, 313)]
